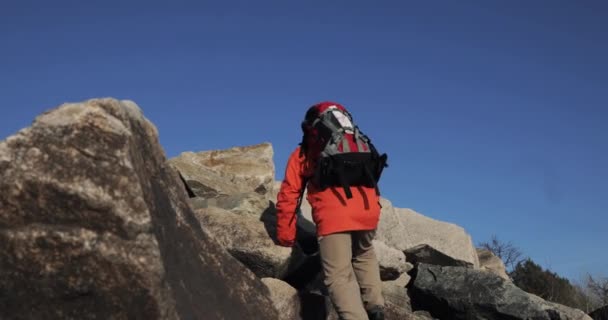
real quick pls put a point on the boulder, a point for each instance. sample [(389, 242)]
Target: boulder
[(227, 172), (491, 263), (465, 293), (95, 225), (404, 229)]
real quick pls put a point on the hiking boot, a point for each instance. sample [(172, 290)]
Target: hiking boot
[(375, 313)]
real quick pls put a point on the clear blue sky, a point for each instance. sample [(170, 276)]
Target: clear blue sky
[(493, 113)]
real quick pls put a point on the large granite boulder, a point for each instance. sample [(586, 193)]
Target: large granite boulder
[(465, 293), (95, 225), (404, 229), (231, 171)]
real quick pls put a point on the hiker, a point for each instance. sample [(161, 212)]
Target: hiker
[(340, 168)]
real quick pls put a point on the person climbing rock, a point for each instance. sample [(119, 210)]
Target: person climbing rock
[(340, 168)]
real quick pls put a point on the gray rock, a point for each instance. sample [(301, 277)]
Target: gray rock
[(491, 263), (95, 225), (285, 298), (465, 293), (404, 229), (228, 172)]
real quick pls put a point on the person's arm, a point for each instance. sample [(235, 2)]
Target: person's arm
[(287, 200)]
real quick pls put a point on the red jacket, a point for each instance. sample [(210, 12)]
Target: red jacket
[(332, 211)]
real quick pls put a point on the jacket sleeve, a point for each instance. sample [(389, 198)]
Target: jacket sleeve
[(287, 200)]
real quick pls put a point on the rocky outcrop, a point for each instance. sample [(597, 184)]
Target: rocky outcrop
[(465, 293), (211, 174), (95, 225), (491, 263), (404, 229), (402, 233)]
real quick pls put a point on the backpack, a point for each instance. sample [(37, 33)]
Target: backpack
[(342, 155)]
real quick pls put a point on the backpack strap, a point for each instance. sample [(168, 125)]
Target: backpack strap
[(345, 186), (345, 146), (371, 178), (360, 139)]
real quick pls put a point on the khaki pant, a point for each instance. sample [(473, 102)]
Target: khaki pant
[(352, 273)]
